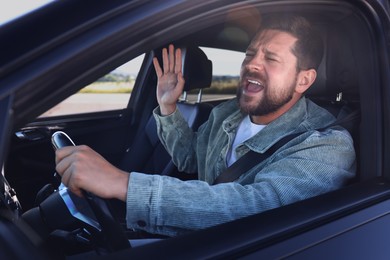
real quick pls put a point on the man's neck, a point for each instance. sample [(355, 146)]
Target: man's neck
[(268, 118)]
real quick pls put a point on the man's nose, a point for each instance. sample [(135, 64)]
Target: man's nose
[(256, 62)]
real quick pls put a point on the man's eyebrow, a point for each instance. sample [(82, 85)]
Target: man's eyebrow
[(251, 48), (270, 53)]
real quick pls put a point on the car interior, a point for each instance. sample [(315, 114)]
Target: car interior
[(346, 82), (147, 148)]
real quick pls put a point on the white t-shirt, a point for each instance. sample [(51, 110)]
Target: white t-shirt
[(245, 130)]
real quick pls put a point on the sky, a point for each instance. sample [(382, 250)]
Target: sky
[(223, 63), (10, 9)]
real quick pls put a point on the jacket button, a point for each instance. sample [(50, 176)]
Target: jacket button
[(141, 223)]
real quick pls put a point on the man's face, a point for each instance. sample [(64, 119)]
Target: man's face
[(268, 74)]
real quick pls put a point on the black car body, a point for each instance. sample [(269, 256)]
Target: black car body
[(55, 51)]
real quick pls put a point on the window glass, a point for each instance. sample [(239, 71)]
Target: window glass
[(10, 10), (110, 92), (226, 73)]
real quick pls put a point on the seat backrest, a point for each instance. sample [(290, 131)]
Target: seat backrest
[(336, 82), (147, 154), (336, 87)]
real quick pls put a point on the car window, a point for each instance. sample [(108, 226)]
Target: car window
[(10, 10), (226, 73), (110, 92)]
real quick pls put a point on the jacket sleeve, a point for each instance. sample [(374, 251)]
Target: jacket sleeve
[(178, 139), (320, 163)]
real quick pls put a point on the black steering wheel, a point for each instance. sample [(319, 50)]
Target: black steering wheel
[(110, 235)]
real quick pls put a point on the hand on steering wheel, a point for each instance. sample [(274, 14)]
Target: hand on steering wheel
[(112, 236)]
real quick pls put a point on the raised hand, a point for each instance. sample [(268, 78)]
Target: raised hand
[(170, 80)]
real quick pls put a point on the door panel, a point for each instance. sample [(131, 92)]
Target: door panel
[(104, 115), (30, 163)]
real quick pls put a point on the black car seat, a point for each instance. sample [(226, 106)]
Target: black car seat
[(336, 87), (147, 154)]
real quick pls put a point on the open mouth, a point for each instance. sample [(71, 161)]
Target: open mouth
[(253, 86)]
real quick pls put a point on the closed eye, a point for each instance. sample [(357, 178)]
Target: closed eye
[(272, 58), (249, 54)]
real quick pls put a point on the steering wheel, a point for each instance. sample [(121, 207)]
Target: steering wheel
[(110, 235)]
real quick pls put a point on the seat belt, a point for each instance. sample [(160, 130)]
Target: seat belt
[(252, 158), (249, 160)]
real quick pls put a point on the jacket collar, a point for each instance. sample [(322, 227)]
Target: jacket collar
[(303, 116)]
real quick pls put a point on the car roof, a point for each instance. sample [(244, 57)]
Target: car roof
[(38, 69)]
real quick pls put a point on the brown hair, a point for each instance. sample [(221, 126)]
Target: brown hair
[(309, 46)]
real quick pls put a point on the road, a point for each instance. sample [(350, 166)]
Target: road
[(87, 102), (84, 103)]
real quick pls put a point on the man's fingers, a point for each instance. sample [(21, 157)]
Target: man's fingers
[(64, 152), (171, 58), (157, 67), (72, 185), (67, 166), (66, 176), (165, 60), (180, 79), (171, 61), (65, 156), (63, 162), (178, 61)]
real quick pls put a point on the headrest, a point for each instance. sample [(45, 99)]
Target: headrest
[(197, 69), (337, 71)]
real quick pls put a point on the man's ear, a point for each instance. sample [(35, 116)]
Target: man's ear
[(305, 80)]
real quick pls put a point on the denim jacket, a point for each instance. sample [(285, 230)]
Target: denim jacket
[(313, 163)]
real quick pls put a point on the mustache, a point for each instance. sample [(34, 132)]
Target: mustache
[(253, 74)]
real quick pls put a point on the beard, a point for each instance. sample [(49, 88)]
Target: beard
[(267, 104)]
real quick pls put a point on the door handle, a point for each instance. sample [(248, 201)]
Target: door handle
[(32, 134)]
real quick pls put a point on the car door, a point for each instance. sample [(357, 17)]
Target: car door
[(310, 225), (100, 115)]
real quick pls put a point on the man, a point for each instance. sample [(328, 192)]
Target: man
[(279, 66)]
